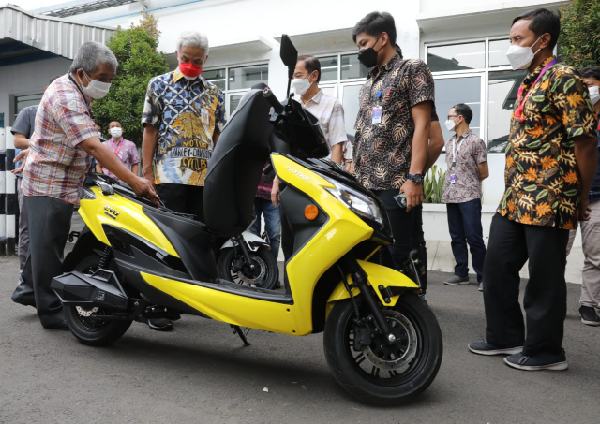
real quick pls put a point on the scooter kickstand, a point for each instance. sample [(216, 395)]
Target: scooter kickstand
[(237, 330)]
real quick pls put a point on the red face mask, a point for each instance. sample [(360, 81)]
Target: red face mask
[(190, 70)]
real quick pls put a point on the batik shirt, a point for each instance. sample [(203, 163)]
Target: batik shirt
[(382, 147), (125, 150), (186, 113), (56, 164), (540, 176), (462, 182)]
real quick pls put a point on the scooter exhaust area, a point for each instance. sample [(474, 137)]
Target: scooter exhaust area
[(98, 289)]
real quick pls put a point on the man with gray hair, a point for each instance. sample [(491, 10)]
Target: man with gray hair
[(183, 116), (64, 138)]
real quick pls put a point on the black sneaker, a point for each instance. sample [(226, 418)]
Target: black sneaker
[(456, 280), (481, 347), (548, 362), (160, 324), (589, 316)]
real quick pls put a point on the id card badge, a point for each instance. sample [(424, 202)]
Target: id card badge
[(453, 179), (205, 118), (377, 115)]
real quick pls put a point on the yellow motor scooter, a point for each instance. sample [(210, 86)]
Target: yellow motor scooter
[(137, 261)]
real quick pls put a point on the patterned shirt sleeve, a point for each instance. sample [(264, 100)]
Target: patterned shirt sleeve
[(134, 157), (337, 128), (480, 152), (220, 113), (571, 97), (421, 84), (72, 116), (151, 111)]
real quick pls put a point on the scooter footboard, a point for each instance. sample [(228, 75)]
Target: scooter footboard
[(387, 283)]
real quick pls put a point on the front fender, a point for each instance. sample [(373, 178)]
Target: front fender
[(252, 241), (381, 279)]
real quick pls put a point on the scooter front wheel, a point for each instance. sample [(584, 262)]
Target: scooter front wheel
[(377, 371)]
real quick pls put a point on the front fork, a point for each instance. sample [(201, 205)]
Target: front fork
[(359, 279)]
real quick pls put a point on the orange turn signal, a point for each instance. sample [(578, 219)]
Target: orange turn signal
[(311, 212)]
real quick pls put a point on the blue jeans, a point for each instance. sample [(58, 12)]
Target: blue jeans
[(464, 223), (264, 208)]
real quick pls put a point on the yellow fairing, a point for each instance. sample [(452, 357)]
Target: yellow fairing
[(376, 275), (228, 307), (118, 211)]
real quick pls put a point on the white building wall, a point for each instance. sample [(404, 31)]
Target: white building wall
[(28, 78)]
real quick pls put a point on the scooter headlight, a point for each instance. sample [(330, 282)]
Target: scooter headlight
[(358, 202)]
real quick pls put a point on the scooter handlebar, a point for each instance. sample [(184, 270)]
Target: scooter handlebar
[(272, 99)]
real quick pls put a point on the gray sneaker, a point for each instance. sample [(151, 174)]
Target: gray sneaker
[(589, 316), (456, 280), (547, 362), (480, 287)]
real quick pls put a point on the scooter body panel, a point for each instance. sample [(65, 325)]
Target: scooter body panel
[(118, 211)]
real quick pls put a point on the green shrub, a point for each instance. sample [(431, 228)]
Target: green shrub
[(433, 185)]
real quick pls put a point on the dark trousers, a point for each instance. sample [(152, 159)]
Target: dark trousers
[(509, 246), (182, 198), (266, 209), (407, 228), (49, 224), (464, 223)]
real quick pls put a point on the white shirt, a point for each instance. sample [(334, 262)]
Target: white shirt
[(328, 110)]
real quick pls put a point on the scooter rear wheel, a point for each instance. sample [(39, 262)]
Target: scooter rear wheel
[(384, 373), (83, 321)]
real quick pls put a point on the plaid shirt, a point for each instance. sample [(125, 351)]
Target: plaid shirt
[(56, 166)]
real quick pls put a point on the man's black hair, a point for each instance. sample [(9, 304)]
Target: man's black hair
[(311, 63), (464, 111), (590, 72), (374, 24), (543, 22)]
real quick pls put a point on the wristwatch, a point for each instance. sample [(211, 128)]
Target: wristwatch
[(415, 178)]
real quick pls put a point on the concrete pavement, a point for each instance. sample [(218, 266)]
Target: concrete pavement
[(200, 373)]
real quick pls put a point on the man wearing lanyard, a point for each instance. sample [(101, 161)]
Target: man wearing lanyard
[(123, 149), (466, 161), (550, 163)]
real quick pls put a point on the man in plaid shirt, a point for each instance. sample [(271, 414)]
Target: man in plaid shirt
[(64, 139)]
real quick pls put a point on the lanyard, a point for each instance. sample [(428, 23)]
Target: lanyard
[(522, 99), (456, 150), (118, 149)]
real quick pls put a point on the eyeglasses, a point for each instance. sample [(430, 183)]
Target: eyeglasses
[(452, 116)]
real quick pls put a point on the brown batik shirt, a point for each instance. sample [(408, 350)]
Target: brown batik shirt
[(382, 147), (540, 176)]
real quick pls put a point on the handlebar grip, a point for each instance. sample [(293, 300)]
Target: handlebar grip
[(272, 99)]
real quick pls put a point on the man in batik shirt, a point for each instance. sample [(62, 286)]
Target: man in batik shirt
[(550, 162), (183, 116)]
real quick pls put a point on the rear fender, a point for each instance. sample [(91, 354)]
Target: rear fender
[(388, 284), (85, 244)]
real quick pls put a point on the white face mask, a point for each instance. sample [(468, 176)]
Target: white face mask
[(594, 93), (450, 124), (116, 132), (300, 86), (96, 89), (521, 57)]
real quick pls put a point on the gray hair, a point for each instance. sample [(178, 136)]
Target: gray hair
[(92, 54), (193, 39)]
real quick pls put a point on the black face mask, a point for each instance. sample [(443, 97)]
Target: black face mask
[(368, 56)]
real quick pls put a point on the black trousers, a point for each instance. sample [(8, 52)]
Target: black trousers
[(182, 198), (510, 245), (49, 224), (407, 228)]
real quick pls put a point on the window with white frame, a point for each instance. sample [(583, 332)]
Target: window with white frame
[(476, 73), (235, 81)]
